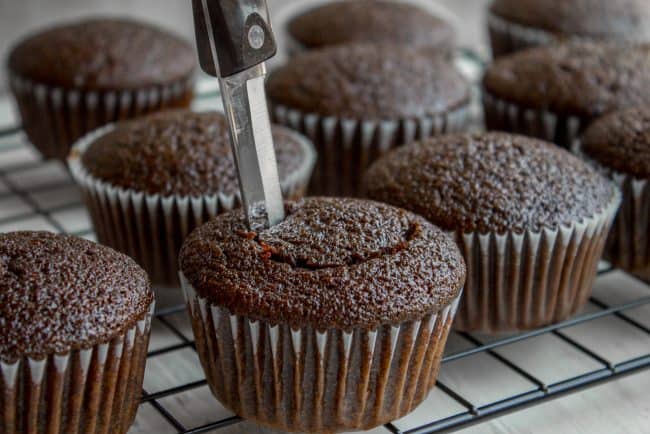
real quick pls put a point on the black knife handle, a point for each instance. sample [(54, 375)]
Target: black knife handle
[(236, 31)]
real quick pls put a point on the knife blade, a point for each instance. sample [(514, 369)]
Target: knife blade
[(234, 39)]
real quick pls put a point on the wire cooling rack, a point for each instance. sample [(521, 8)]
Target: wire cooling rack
[(481, 376)]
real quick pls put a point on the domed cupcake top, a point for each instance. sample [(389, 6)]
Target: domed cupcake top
[(370, 21), (621, 141), (622, 19), (368, 82), (59, 292), (491, 182), (181, 153), (333, 262), (580, 79), (103, 54)]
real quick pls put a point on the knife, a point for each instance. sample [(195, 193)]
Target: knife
[(234, 39)]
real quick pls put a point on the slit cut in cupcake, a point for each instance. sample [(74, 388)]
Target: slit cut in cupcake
[(530, 218), (148, 183), (351, 342)]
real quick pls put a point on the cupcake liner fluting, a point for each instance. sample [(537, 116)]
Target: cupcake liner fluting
[(54, 117), (519, 281), (308, 380), (85, 391), (346, 147), (507, 37), (502, 115), (628, 246), (151, 228)]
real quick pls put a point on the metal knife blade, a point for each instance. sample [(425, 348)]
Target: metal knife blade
[(244, 101), (234, 39)]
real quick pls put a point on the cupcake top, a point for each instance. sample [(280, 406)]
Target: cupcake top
[(621, 141), (332, 263), (368, 82), (580, 79), (490, 182), (103, 54), (619, 19), (59, 292), (184, 153), (370, 21)]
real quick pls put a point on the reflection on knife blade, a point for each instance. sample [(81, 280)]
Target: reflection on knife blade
[(234, 39)]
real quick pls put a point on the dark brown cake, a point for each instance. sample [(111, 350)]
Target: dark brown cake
[(492, 182), (355, 102), (621, 141), (607, 19), (555, 92), (370, 21), (149, 182), (103, 53), (59, 292), (75, 77), (581, 79), (74, 329), (368, 82), (338, 263), (180, 153), (348, 303), (530, 218), (620, 144)]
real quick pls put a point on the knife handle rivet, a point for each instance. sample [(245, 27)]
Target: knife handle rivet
[(256, 37)]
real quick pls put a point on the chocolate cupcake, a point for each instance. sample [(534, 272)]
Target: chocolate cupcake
[(555, 92), (518, 24), (74, 328), (355, 102), (620, 145), (370, 21), (75, 77), (333, 320), (531, 220), (149, 182)]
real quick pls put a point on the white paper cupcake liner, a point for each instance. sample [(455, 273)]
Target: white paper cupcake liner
[(628, 246), (54, 117), (151, 228), (346, 147), (502, 115), (507, 37), (317, 381), (629, 242), (86, 391), (293, 47), (520, 281)]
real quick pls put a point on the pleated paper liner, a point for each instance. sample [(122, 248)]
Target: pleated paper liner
[(628, 246), (502, 115), (346, 147), (519, 281), (507, 37), (151, 228), (284, 16), (87, 391), (54, 117), (307, 380), (629, 242)]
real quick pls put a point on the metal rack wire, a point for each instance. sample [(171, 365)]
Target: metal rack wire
[(38, 194)]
